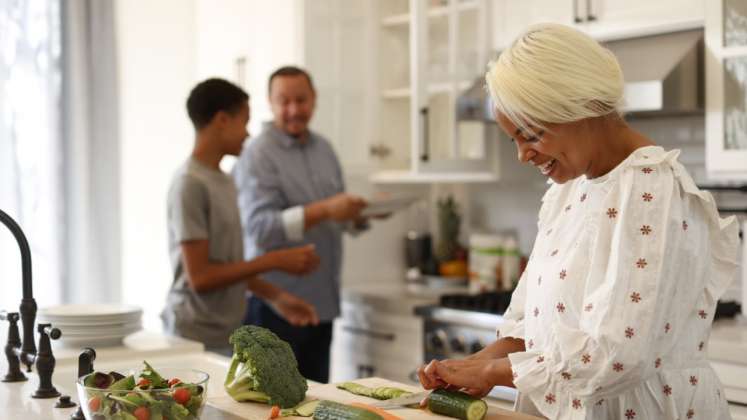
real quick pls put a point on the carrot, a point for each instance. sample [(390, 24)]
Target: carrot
[(385, 415), (275, 412)]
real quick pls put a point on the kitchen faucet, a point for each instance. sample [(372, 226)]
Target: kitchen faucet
[(18, 351)]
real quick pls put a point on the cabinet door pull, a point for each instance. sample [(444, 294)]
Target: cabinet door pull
[(368, 333), (576, 17), (589, 12), (424, 153)]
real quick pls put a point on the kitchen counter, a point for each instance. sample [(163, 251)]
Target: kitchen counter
[(397, 299), (17, 403), (728, 342)]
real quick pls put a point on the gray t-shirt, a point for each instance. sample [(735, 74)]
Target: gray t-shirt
[(202, 204)]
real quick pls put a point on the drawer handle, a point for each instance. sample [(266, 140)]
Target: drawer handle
[(369, 333)]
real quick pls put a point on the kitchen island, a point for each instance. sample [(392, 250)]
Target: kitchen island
[(16, 401)]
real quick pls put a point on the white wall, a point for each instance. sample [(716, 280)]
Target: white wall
[(156, 70), (266, 33)]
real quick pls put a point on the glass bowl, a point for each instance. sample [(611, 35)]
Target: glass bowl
[(187, 404)]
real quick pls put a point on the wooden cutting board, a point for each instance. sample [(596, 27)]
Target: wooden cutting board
[(255, 411)]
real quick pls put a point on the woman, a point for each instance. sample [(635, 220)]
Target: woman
[(611, 317)]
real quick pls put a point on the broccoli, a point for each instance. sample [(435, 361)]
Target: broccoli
[(263, 369)]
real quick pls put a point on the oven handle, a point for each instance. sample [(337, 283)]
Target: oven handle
[(368, 333)]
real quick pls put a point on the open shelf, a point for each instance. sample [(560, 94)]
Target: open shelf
[(403, 19), (434, 88)]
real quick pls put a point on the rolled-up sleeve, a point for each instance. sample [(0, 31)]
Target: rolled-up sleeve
[(630, 293), (293, 223), (264, 215)]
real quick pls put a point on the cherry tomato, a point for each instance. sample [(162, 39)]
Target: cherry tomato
[(275, 412), (143, 383), (142, 413), (94, 404), (182, 395), (174, 381)]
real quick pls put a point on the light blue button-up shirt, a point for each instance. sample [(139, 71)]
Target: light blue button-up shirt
[(276, 176)]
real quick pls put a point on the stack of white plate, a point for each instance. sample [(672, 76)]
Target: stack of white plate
[(95, 325)]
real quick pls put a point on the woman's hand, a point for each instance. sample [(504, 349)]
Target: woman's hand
[(474, 376), (300, 260), (296, 311)]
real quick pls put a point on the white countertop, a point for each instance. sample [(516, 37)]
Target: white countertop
[(728, 342)]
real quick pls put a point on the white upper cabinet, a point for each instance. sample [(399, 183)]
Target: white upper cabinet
[(337, 51), (511, 17), (449, 49), (429, 52), (726, 89), (615, 19), (602, 19), (388, 73)]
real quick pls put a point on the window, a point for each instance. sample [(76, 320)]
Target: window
[(31, 146)]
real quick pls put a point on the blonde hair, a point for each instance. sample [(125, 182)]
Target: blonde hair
[(554, 74)]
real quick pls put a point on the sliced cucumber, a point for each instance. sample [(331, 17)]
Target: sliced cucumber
[(307, 409), (457, 404), (330, 410), (380, 393)]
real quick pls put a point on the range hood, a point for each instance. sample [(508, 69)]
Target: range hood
[(664, 76)]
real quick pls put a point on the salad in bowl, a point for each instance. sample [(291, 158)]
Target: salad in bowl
[(167, 394)]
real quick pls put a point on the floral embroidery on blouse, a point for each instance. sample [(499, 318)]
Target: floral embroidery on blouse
[(629, 332)]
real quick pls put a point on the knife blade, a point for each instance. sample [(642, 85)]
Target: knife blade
[(402, 401)]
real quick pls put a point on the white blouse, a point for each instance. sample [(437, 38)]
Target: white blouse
[(616, 303)]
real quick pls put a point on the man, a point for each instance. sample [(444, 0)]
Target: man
[(291, 192), (206, 300)]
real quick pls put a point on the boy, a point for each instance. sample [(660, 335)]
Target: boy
[(206, 301)]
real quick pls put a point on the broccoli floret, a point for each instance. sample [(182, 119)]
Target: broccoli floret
[(263, 369)]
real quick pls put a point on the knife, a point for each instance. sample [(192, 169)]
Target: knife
[(402, 401)]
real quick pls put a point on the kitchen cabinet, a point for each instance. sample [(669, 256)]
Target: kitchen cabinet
[(726, 89), (602, 19), (336, 45), (388, 74), (615, 19), (512, 17)]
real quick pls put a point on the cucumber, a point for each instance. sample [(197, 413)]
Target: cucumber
[(330, 410), (307, 409), (380, 393), (457, 404), (387, 393)]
